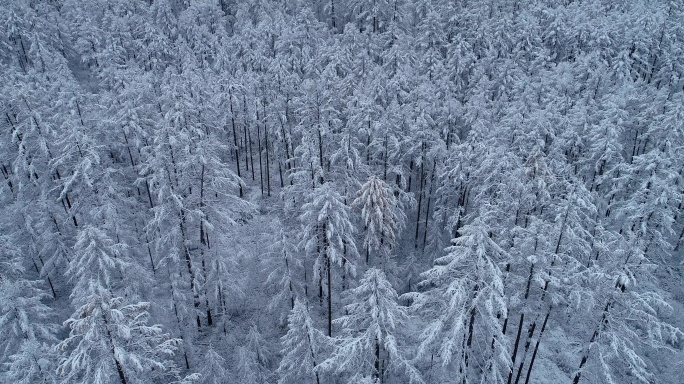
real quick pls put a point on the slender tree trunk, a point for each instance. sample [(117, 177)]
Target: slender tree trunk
[(320, 153), (515, 346), (385, 160), (35, 265), (222, 305), (410, 174), (286, 147), (175, 311), (5, 173), (261, 172), (468, 341), (204, 241), (596, 333), (329, 276), (377, 360), (528, 343), (536, 347), (333, 17), (429, 199), (119, 367), (313, 357), (420, 196), (461, 210), (130, 157), (248, 136), (368, 141), (49, 280), (556, 250), (191, 271), (268, 162), (367, 255), (245, 144), (529, 281), (289, 276), (251, 152), (235, 142), (280, 172), (320, 285), (635, 147)]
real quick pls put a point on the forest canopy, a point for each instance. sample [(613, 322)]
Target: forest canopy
[(341, 191)]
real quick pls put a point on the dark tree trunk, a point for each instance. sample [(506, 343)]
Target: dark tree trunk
[(410, 174), (536, 347), (261, 168), (429, 199), (119, 367), (420, 197), (268, 162), (329, 276), (596, 333), (515, 346), (377, 360), (235, 142)]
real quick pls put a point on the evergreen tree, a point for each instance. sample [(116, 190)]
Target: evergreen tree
[(110, 339), (303, 347), (382, 216), (327, 235), (214, 370), (371, 330), (25, 322), (465, 298)]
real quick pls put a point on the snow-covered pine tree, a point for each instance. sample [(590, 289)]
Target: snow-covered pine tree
[(462, 307), (303, 348), (108, 337), (23, 315), (286, 273), (372, 328), (382, 216), (215, 368), (253, 359), (25, 322), (327, 235)]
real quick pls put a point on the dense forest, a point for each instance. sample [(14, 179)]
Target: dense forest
[(341, 191)]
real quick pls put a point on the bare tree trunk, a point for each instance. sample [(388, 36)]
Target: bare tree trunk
[(515, 346), (261, 172), (235, 142), (204, 241), (596, 333), (248, 136), (536, 347), (429, 199), (410, 174), (328, 272), (368, 141), (287, 151), (385, 160), (333, 17), (528, 342), (280, 172), (420, 195), (377, 360), (268, 162)]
